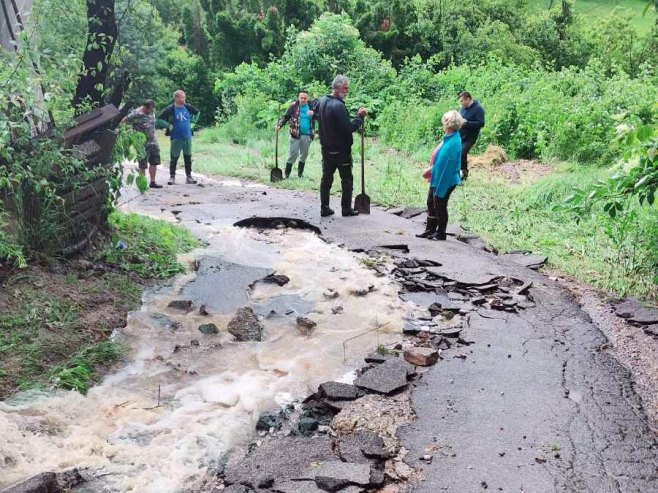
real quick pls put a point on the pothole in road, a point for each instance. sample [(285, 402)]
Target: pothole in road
[(277, 223), (185, 397)]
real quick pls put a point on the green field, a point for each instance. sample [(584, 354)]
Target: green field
[(599, 8)]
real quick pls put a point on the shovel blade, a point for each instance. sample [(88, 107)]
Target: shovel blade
[(362, 203), (276, 175)]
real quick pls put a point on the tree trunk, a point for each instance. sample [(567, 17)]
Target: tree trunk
[(101, 38)]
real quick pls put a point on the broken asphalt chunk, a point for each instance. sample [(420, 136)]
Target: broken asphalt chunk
[(379, 358), (338, 391), (357, 446), (385, 378), (633, 311), (282, 459), (336, 475), (421, 356), (526, 260)]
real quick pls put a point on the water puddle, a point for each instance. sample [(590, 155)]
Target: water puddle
[(184, 398)]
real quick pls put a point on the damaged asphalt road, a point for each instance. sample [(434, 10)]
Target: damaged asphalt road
[(533, 405)]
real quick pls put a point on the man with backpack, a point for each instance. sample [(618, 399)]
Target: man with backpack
[(300, 116)]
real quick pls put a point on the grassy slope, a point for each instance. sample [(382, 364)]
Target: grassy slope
[(598, 8), (509, 215), (54, 327)]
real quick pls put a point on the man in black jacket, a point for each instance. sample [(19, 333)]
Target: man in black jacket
[(473, 113), (335, 129)]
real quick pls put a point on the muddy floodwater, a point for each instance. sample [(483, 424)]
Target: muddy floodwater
[(183, 398)]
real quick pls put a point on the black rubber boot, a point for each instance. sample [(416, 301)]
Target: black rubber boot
[(172, 166), (430, 228), (350, 212), (288, 169), (188, 164), (300, 169)]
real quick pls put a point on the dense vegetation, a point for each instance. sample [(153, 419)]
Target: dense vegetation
[(561, 81)]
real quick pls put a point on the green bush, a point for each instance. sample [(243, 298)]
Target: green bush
[(531, 113), (255, 96)]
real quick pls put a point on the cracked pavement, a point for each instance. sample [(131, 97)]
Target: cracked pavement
[(535, 406)]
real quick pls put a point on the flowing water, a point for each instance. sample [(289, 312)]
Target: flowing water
[(184, 398)]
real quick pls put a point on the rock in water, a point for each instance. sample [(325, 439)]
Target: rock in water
[(245, 326), (306, 326), (209, 329), (183, 305), (278, 279)]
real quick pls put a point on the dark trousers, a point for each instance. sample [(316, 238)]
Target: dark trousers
[(437, 209), (466, 147), (329, 167), (187, 158)]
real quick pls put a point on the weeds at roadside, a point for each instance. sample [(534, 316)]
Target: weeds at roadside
[(146, 246), (54, 327), (77, 372)]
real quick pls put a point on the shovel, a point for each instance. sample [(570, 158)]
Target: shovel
[(276, 174), (362, 201)]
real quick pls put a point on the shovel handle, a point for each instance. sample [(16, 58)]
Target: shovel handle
[(276, 148), (363, 158)]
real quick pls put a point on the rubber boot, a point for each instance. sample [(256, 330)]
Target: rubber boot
[(430, 228), (172, 170), (300, 169), (288, 169)]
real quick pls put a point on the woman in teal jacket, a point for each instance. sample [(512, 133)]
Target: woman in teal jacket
[(443, 176)]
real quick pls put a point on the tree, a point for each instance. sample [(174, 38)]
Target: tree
[(101, 38)]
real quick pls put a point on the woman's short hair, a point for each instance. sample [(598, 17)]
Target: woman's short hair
[(453, 120)]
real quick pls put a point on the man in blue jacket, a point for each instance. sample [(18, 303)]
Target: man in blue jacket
[(335, 129), (473, 113), (179, 117)]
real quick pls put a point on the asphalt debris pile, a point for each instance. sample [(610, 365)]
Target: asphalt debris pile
[(424, 283), (342, 438)]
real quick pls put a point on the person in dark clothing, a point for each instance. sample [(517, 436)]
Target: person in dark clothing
[(335, 129), (179, 118), (473, 113), (300, 116)]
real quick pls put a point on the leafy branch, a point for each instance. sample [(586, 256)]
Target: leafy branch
[(640, 181)]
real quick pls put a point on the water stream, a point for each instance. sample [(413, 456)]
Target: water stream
[(183, 398)]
